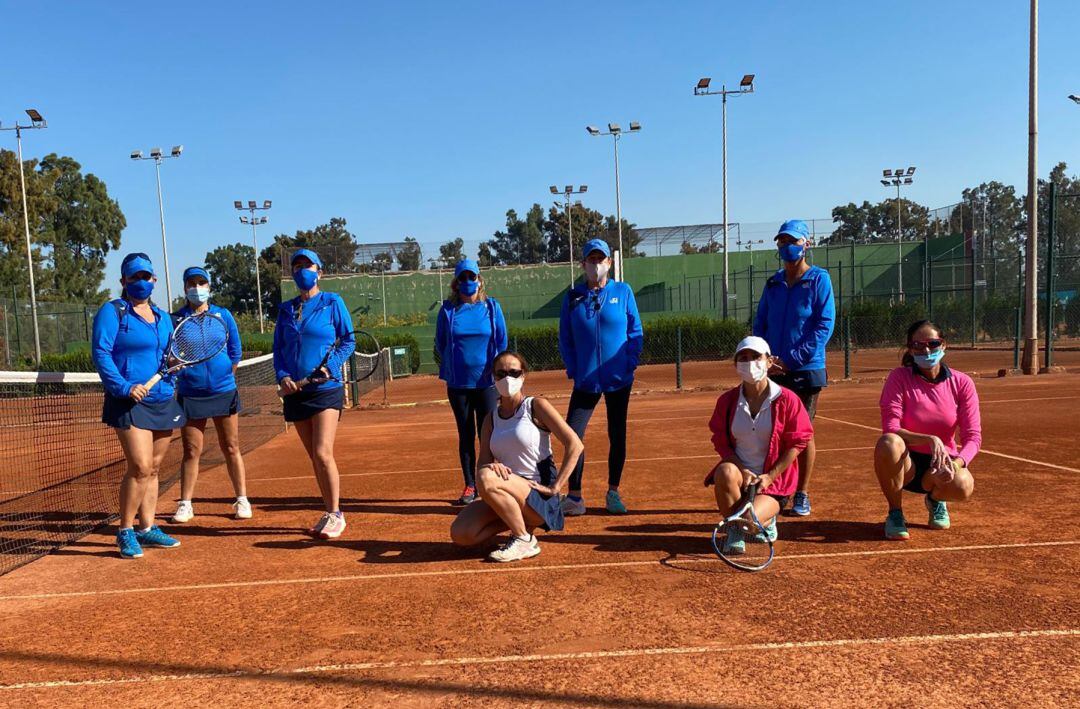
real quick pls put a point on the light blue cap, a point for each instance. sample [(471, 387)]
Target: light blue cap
[(466, 264), (196, 271), (136, 263), (796, 228), (311, 256), (595, 245)]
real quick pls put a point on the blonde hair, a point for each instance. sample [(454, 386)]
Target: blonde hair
[(454, 297)]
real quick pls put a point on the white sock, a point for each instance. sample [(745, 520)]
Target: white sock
[(241, 498), (526, 538), (185, 502)]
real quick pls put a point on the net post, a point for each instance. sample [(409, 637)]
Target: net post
[(678, 357)]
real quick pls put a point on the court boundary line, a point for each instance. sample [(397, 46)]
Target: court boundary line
[(563, 657), (981, 450), (500, 569)]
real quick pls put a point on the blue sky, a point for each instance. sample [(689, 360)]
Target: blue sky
[(431, 119)]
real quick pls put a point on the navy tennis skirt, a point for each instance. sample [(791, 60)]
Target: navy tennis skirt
[(304, 404), (208, 407), (125, 412), (549, 509)]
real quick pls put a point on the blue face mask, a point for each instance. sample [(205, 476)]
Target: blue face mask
[(468, 287), (930, 359), (305, 279), (792, 252), (140, 290)]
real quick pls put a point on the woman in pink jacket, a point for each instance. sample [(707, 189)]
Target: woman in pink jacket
[(923, 405), (759, 428)]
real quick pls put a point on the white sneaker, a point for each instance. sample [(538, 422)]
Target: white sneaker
[(573, 508), (334, 527), (242, 507), (184, 512), (516, 549)]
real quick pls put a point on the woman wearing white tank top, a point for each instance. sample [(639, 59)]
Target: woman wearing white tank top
[(517, 478)]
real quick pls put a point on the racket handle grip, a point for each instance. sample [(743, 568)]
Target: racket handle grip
[(299, 385), (152, 381)]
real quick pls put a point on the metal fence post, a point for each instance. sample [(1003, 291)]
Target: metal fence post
[(929, 285), (840, 288), (15, 313), (678, 357), (86, 322), (7, 338), (516, 344), (847, 347), (1048, 357), (1017, 320), (973, 326)]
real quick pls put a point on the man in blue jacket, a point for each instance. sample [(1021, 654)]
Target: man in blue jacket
[(795, 315), (600, 339)]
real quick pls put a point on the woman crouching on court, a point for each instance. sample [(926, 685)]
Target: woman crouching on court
[(207, 391), (924, 404), (308, 327), (517, 478), (759, 428), (129, 342)]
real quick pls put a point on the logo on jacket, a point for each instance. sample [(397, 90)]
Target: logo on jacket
[(614, 300)]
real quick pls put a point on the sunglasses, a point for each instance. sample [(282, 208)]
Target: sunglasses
[(926, 345), (504, 373), (140, 276), (466, 277)]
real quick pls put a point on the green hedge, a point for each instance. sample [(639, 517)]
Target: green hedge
[(401, 339), (74, 361)]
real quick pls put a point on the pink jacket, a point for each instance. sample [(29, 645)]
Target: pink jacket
[(939, 409), (791, 429)]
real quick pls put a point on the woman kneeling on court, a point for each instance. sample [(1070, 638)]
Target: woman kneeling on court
[(130, 339), (517, 479), (923, 404), (759, 428)]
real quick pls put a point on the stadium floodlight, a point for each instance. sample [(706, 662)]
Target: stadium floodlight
[(616, 132), (583, 188), (900, 177), (746, 86), (554, 189), (158, 156), (1074, 98), (36, 121), (252, 207), (569, 190)]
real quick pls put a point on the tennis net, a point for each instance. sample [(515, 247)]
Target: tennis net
[(62, 466)]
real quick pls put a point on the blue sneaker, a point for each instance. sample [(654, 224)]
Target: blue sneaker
[(154, 537), (735, 543), (614, 503), (939, 514), (129, 545), (800, 506), (896, 526), (769, 536)]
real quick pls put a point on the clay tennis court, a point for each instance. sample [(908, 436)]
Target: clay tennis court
[(616, 611)]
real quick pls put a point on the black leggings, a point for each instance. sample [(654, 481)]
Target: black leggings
[(582, 404), (471, 407)]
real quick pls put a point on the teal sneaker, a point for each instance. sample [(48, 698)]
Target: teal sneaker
[(735, 543), (154, 537), (896, 526), (614, 503), (769, 536), (129, 545), (939, 514)]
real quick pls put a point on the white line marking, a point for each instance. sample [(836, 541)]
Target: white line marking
[(981, 450), (981, 402), (518, 569), (566, 656)]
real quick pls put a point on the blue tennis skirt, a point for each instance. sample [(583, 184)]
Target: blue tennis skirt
[(549, 509), (304, 404), (208, 407), (125, 413)]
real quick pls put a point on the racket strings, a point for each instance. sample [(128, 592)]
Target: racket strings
[(199, 338)]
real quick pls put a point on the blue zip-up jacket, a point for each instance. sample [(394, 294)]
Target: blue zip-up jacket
[(128, 350), (215, 376), (797, 321), (600, 336), (459, 332), (299, 345)]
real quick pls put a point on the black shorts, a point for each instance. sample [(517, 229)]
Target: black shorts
[(798, 384), (125, 413), (208, 407), (920, 463), (304, 404), (782, 500)]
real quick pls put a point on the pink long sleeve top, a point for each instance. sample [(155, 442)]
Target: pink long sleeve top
[(942, 408)]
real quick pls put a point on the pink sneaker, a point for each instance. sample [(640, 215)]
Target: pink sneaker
[(334, 527)]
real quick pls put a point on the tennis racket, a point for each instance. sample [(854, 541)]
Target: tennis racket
[(365, 362), (194, 340), (740, 539)]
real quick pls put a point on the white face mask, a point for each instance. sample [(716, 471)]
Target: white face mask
[(199, 294), (596, 271), (753, 371), (509, 386)]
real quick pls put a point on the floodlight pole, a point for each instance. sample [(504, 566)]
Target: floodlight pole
[(566, 192), (26, 230), (901, 178), (158, 159), (252, 208), (616, 132), (1030, 362), (747, 87)]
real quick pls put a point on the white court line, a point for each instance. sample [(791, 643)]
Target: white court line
[(981, 450), (981, 402), (566, 656), (893, 551), (587, 462)]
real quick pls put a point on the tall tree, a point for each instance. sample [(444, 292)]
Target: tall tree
[(40, 205), (232, 275), (452, 251), (485, 257), (523, 240), (630, 238), (867, 223), (408, 257), (84, 226), (587, 224), (334, 243), (710, 247)]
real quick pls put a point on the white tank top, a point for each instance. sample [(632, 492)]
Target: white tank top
[(518, 443)]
